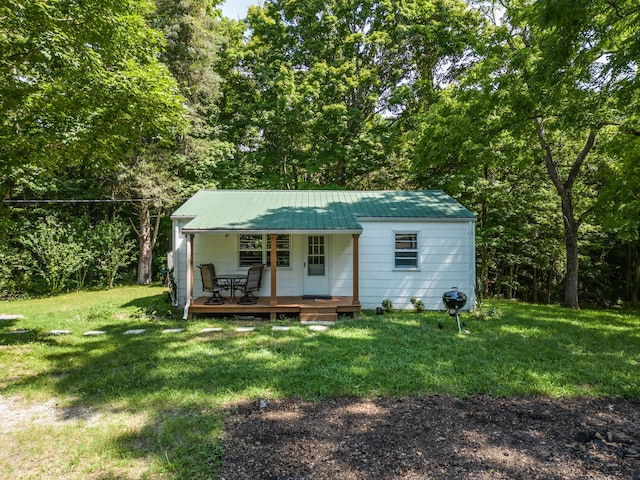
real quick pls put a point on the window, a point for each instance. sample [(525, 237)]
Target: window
[(283, 250), (406, 250), (251, 249), (257, 249)]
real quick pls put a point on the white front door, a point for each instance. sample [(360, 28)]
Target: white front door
[(316, 265)]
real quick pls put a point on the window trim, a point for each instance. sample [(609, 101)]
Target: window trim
[(400, 268), (264, 249)]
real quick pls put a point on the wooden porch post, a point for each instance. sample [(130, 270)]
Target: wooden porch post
[(189, 292), (356, 270), (274, 297)]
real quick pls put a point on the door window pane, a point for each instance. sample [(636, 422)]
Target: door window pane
[(315, 256)]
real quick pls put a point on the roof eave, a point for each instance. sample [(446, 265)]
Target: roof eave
[(273, 230), (418, 219)]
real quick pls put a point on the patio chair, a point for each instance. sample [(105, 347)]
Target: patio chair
[(210, 284), (253, 283)]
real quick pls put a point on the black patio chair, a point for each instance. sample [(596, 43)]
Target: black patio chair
[(252, 284), (210, 284)]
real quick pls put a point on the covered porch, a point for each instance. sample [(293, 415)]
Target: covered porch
[(274, 302)]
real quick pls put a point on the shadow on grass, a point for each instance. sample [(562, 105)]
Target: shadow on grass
[(180, 381)]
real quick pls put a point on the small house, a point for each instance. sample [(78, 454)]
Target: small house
[(348, 249)]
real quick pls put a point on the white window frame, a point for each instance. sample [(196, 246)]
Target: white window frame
[(267, 247), (415, 250), (264, 249), (257, 251)]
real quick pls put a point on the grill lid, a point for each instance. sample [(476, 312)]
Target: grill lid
[(454, 299)]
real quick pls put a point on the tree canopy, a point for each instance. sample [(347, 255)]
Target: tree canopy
[(526, 111), (80, 82)]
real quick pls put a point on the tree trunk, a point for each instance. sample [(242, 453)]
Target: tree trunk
[(571, 248), (484, 254), (635, 284), (571, 226), (145, 257)]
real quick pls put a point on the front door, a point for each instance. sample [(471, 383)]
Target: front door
[(316, 277)]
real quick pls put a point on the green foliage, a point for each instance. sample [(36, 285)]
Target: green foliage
[(324, 92), (418, 305), (57, 252), (63, 254), (111, 249), (523, 135), (81, 85), (387, 305)]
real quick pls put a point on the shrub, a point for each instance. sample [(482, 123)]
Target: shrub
[(110, 249), (387, 305), (417, 304), (56, 252)]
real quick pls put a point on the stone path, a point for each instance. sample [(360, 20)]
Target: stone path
[(140, 331)]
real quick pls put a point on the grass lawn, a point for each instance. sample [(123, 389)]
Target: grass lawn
[(148, 406)]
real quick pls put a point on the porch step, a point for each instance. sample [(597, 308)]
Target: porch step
[(310, 315)]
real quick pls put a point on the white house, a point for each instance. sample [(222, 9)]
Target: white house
[(366, 246)]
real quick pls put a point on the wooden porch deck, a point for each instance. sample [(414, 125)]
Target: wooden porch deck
[(310, 310)]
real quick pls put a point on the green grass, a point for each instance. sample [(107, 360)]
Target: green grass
[(150, 405)]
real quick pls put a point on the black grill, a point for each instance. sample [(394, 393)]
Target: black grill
[(454, 301)]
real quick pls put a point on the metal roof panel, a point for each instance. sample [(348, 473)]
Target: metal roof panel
[(308, 210)]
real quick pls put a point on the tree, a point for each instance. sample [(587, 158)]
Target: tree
[(155, 177), (57, 250), (110, 248), (553, 114), (195, 36), (80, 84), (326, 91)]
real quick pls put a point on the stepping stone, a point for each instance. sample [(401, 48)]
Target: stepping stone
[(280, 328), (18, 331), (59, 332), (173, 330), (11, 317), (95, 333), (245, 329), (318, 328), (210, 330), (135, 331)]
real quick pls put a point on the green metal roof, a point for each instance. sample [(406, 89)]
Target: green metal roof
[(311, 210)]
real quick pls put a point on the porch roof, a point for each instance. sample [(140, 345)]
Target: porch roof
[(311, 210)]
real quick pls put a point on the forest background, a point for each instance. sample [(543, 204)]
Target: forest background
[(112, 112)]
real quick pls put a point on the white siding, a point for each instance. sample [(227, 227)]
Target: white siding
[(222, 251), (445, 259), (446, 255), (341, 259), (180, 260)]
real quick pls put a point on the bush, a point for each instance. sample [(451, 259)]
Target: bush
[(111, 250), (65, 254), (417, 304), (56, 251), (387, 305)]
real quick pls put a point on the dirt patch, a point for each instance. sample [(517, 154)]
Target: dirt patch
[(434, 437), (16, 414)]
